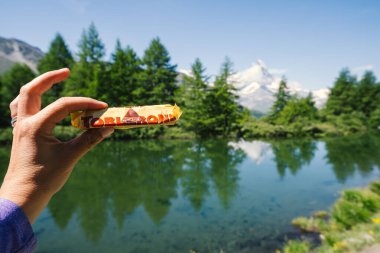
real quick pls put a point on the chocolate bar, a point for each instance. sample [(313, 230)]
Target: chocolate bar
[(126, 117)]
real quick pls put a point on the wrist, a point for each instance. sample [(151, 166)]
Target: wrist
[(28, 197)]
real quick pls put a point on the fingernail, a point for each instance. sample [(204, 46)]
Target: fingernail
[(103, 103), (105, 132)]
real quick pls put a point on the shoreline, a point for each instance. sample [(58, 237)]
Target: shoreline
[(351, 225)]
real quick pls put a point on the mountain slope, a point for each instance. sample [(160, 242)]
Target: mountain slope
[(14, 51), (256, 88)]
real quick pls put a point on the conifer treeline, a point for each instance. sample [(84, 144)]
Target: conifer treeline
[(132, 80), (210, 109)]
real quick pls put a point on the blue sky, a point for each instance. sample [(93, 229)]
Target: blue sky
[(308, 41)]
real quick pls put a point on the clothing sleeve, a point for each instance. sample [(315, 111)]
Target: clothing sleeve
[(16, 233)]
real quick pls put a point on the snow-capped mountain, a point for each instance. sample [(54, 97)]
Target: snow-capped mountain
[(14, 51), (256, 88)]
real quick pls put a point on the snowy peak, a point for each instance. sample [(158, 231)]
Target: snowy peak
[(256, 88)]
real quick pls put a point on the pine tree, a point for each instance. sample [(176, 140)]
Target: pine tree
[(367, 94), (159, 75), (192, 97), (125, 74), (58, 56), (223, 109), (11, 83), (282, 97), (87, 73), (342, 98)]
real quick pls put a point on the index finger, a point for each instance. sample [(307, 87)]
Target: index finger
[(58, 110), (30, 94)]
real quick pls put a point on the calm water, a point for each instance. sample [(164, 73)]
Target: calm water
[(211, 196)]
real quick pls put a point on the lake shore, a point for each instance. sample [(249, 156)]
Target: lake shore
[(352, 225)]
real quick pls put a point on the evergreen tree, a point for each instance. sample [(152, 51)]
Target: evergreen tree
[(282, 97), (342, 98), (125, 74), (192, 97), (11, 83), (297, 110), (223, 109), (159, 75), (58, 56), (86, 75), (367, 94)]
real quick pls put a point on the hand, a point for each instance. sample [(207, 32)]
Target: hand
[(40, 164)]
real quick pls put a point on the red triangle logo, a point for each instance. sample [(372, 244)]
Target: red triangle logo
[(131, 113)]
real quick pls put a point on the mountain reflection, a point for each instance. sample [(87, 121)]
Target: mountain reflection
[(120, 177)]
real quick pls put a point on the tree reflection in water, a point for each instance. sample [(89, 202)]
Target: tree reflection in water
[(120, 177), (292, 154), (347, 155)]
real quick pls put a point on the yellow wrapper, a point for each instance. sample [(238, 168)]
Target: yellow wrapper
[(126, 117)]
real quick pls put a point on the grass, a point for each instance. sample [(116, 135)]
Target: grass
[(297, 247), (352, 224)]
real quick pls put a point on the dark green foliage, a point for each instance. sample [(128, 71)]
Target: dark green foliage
[(159, 75), (342, 97), (357, 100), (281, 99), (124, 75), (192, 96), (223, 109), (86, 76), (11, 83), (58, 56), (367, 94)]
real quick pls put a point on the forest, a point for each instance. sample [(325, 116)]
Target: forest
[(210, 106)]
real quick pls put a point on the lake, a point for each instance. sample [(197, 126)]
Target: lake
[(200, 196)]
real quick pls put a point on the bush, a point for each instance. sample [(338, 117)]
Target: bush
[(310, 224), (297, 247), (355, 206), (375, 187)]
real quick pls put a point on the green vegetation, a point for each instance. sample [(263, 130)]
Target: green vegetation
[(352, 224), (297, 247), (210, 108)]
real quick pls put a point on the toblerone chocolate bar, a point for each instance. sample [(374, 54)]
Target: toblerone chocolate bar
[(126, 117)]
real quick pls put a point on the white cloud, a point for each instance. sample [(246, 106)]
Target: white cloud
[(359, 70)]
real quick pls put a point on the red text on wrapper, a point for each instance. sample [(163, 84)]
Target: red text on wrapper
[(94, 122)]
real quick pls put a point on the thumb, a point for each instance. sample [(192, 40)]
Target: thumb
[(80, 145)]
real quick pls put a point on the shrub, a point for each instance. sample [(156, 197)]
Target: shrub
[(375, 187), (355, 206), (297, 247)]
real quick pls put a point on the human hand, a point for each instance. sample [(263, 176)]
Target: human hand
[(40, 164)]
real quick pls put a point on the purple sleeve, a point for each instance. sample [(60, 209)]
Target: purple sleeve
[(16, 233)]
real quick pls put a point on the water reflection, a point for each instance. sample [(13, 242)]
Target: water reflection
[(349, 155), (121, 176), (292, 155), (118, 181)]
